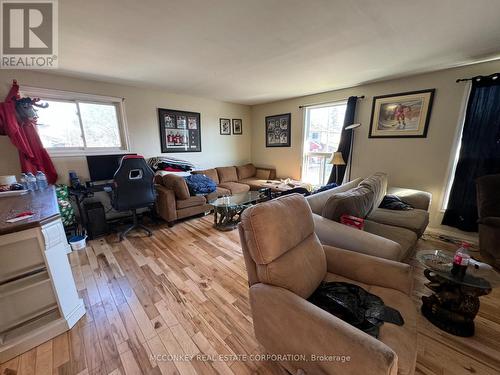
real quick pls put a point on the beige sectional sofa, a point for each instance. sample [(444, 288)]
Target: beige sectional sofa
[(174, 201), (387, 233)]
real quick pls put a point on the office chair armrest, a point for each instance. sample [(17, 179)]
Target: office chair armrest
[(166, 205), (369, 269), (287, 324)]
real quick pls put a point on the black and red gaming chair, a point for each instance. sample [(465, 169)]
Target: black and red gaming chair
[(134, 188)]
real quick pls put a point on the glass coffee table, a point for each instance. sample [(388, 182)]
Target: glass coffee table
[(227, 210), (455, 301)]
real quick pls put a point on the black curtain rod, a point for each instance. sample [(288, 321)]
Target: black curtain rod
[(328, 102), (478, 78)]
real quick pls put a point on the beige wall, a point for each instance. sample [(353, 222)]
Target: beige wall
[(420, 163), (141, 111)]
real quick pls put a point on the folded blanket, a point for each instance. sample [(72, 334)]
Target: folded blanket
[(161, 162)]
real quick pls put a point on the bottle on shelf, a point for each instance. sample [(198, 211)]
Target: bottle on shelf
[(24, 181), (461, 260), (41, 180), (31, 180)]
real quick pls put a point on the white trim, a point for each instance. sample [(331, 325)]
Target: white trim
[(67, 95), (455, 151), (76, 97)]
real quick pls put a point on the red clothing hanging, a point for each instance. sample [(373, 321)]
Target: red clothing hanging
[(24, 136)]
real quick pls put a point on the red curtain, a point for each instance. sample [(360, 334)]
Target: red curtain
[(24, 135)]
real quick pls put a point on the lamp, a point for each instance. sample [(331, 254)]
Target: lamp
[(351, 127), (337, 160)]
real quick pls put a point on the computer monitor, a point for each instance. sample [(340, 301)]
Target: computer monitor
[(103, 167)]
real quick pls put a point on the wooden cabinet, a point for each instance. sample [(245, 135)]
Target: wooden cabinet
[(38, 297)]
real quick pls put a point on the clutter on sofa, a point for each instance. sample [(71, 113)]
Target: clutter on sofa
[(354, 305), (393, 202), (170, 164), (199, 184)]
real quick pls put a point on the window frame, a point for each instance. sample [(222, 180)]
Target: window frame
[(305, 129), (75, 97)]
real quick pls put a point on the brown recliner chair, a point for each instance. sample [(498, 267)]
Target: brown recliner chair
[(488, 206), (285, 264)]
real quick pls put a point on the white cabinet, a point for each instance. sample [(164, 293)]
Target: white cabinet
[(38, 297)]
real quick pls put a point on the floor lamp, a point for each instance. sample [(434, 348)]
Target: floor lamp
[(337, 160), (351, 127)]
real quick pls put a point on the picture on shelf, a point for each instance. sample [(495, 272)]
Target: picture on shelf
[(278, 130), (180, 131), (404, 115), (225, 126), (237, 126)]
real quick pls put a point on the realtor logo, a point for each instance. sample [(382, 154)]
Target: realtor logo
[(29, 34)]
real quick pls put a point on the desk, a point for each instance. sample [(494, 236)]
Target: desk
[(38, 297)]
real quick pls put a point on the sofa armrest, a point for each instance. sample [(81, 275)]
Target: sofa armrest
[(490, 221), (287, 324), (339, 235), (166, 203), (272, 172), (369, 269), (415, 198)]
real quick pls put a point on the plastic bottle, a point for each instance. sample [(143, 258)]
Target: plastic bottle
[(32, 186), (24, 181), (461, 260), (41, 180)]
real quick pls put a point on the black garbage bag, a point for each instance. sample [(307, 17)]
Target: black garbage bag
[(355, 306)]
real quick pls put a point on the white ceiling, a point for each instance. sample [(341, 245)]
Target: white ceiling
[(254, 51)]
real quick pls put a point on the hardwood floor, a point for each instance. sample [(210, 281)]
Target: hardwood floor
[(184, 291)]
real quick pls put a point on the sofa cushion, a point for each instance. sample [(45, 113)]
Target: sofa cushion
[(263, 174), (378, 184), (177, 184), (210, 173), (219, 192), (404, 237), (401, 339), (191, 202), (416, 220), (357, 202), (227, 174), (318, 201), (235, 187), (246, 171)]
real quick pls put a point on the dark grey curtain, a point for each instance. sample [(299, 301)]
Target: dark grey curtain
[(479, 152), (345, 139)]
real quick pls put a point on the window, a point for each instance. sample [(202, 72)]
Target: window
[(79, 123), (323, 126)]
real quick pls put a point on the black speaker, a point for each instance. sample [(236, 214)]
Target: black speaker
[(95, 220)]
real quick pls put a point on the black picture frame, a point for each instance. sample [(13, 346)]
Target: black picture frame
[(180, 131), (237, 126), (424, 114), (224, 126), (279, 130)]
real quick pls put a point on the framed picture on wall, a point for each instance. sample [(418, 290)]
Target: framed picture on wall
[(225, 126), (403, 115), (180, 131), (278, 130), (237, 126)]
